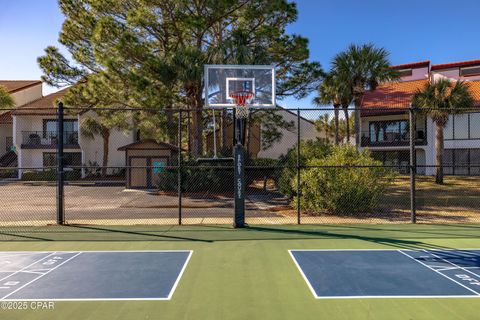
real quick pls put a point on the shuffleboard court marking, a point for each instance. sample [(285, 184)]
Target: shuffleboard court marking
[(26, 267), (77, 253), (312, 290), (440, 273), (42, 275), (455, 265)]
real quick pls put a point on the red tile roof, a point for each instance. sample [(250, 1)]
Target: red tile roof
[(16, 85), (392, 97), (455, 64), (43, 106), (6, 118), (475, 90), (419, 64), (395, 97)]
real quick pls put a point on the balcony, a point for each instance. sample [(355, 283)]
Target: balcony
[(391, 138), (48, 140)]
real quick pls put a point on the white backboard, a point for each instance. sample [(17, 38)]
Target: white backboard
[(222, 80)]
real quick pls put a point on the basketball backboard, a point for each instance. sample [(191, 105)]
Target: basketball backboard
[(222, 81)]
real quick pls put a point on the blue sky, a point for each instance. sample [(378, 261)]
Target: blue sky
[(411, 30)]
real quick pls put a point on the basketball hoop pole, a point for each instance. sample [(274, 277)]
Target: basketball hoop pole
[(239, 157), (243, 88), (239, 187)]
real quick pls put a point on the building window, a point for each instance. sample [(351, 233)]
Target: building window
[(50, 127), (474, 125), (405, 72), (461, 162), (462, 127), (470, 71), (389, 131), (70, 159)]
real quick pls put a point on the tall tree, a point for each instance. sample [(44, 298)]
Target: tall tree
[(438, 100), (361, 68), (326, 125), (151, 53), (101, 123), (328, 94), (6, 100), (333, 91)]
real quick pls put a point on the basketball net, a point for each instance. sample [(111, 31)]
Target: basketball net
[(242, 99)]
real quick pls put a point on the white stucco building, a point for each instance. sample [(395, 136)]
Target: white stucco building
[(28, 134), (385, 124)]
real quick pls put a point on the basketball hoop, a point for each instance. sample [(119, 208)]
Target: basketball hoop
[(242, 98)]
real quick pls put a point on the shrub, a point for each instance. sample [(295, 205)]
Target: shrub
[(346, 189), (213, 177), (287, 172), (8, 173), (197, 177), (50, 175)]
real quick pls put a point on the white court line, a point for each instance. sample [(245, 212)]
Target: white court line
[(115, 299), (303, 274), (441, 250), (375, 297), (446, 269), (114, 251), (444, 275), (455, 265), (179, 276), (30, 282), (20, 253), (27, 266)]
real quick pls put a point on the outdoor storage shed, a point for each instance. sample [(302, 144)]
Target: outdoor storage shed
[(146, 161)]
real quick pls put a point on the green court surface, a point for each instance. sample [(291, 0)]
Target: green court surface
[(247, 273)]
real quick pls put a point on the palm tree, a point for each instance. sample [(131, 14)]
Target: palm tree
[(346, 98), (325, 124), (333, 91), (329, 93), (438, 100), (102, 125), (6, 100), (361, 68)]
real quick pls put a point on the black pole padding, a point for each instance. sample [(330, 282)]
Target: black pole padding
[(179, 168), (239, 186), (60, 167), (413, 165), (299, 187)]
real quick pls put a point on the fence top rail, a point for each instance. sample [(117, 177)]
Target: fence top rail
[(279, 108)]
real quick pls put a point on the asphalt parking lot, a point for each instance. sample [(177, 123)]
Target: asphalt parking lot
[(84, 203)]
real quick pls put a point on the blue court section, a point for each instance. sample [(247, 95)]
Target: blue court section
[(91, 275), (390, 273)]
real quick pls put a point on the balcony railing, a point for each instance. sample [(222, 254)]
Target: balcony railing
[(392, 139), (48, 139)]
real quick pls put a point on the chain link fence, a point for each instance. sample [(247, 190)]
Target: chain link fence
[(303, 166)]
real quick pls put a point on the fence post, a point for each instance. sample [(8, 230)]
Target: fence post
[(60, 169), (299, 189), (179, 168), (413, 165)]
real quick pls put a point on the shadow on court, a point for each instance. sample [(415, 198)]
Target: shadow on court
[(398, 236)]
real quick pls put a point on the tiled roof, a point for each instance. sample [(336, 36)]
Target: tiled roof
[(475, 90), (43, 106), (395, 97), (391, 97), (419, 64), (455, 64), (16, 85), (6, 117), (160, 144)]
